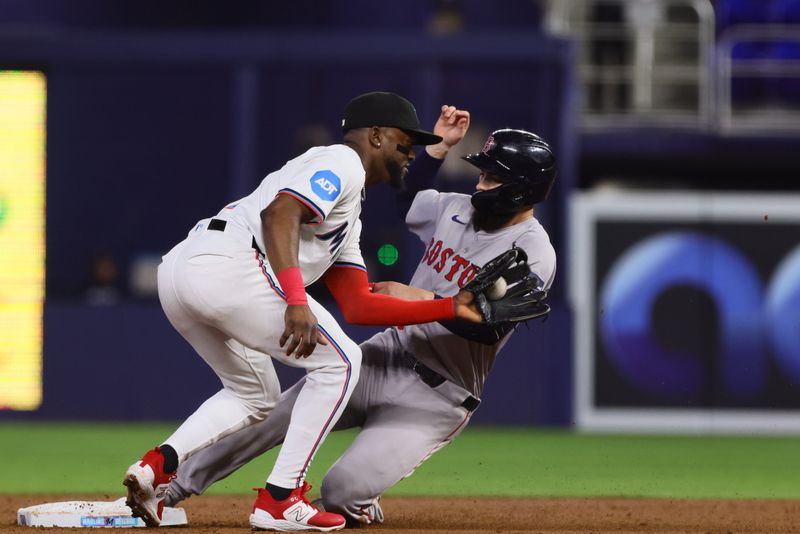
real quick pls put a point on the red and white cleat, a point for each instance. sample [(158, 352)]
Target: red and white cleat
[(292, 514), (147, 486)]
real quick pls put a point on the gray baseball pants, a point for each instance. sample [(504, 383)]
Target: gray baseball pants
[(403, 421)]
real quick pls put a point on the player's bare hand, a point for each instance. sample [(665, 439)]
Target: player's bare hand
[(451, 126), (300, 325), (396, 289), (466, 308)]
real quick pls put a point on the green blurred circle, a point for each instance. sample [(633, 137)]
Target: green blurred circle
[(388, 254), (3, 210)]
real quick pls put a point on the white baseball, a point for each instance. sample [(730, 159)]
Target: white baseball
[(497, 290)]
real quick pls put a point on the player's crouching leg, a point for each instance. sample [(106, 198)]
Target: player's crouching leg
[(262, 407), (343, 497), (337, 363)]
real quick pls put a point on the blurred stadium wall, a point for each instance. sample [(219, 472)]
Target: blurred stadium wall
[(159, 113)]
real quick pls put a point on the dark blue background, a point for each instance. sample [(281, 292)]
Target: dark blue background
[(150, 130), (160, 112)]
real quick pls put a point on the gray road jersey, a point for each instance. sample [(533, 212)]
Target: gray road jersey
[(454, 252)]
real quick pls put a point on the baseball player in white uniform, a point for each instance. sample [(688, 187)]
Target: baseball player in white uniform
[(419, 384), (235, 290)]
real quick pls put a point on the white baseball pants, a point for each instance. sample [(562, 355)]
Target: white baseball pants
[(217, 292)]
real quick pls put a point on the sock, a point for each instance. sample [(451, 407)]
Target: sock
[(170, 458), (278, 493)]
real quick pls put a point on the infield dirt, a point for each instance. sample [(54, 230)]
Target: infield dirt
[(228, 515)]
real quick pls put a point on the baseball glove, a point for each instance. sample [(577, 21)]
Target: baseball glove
[(506, 291)]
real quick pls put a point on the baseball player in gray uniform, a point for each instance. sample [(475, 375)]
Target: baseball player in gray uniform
[(235, 290), (419, 384)]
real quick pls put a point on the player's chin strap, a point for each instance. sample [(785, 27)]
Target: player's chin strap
[(504, 199)]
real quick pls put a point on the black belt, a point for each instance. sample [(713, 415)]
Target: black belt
[(220, 224), (426, 374), (434, 379)]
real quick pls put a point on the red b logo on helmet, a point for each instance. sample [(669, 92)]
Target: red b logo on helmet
[(489, 145)]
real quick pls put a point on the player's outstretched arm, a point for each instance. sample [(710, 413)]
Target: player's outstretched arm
[(281, 222), (401, 291), (464, 306), (351, 290)]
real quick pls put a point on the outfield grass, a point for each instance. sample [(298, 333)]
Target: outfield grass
[(91, 458)]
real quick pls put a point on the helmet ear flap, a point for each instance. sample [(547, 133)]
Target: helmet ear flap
[(516, 192), (504, 199)]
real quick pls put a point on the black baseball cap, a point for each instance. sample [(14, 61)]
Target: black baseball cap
[(386, 109)]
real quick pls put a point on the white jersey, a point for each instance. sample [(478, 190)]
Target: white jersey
[(219, 295), (330, 181), (454, 253)]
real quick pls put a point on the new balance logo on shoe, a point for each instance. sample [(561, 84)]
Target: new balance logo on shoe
[(294, 513), (299, 512)]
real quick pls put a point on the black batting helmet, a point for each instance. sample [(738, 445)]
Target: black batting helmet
[(525, 165)]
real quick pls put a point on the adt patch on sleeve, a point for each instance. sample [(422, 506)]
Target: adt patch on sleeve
[(326, 185)]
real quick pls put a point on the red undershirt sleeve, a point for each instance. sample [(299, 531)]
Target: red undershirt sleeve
[(350, 287)]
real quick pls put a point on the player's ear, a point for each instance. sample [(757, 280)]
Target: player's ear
[(375, 136)]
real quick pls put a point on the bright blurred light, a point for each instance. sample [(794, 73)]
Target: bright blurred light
[(22, 237)]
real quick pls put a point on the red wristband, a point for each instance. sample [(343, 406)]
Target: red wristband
[(291, 280)]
